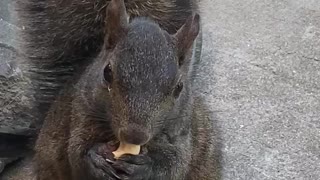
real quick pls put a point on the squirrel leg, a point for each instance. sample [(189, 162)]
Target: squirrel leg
[(50, 158), (91, 165), (162, 161), (87, 157)]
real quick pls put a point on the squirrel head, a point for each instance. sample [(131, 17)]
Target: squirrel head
[(143, 72)]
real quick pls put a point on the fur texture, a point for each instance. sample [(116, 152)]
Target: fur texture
[(60, 38), (143, 103)]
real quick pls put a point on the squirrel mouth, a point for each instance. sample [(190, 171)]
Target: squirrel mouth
[(112, 145), (133, 135)]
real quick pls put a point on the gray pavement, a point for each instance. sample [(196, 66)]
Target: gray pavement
[(260, 75), (260, 78)]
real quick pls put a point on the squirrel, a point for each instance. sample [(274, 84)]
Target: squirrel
[(130, 81), (60, 38)]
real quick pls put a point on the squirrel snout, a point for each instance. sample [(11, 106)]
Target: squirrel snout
[(134, 135)]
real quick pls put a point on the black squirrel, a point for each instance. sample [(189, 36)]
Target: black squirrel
[(60, 38), (136, 87)]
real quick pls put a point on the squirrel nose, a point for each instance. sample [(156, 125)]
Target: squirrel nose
[(134, 135)]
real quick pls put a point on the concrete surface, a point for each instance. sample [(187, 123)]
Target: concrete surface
[(15, 102), (15, 96), (260, 76)]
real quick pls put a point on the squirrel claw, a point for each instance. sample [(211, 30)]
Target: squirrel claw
[(110, 161), (115, 175), (133, 167), (100, 167)]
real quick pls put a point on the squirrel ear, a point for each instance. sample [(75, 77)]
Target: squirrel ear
[(186, 35), (117, 22)]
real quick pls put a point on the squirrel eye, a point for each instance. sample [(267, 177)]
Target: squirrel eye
[(107, 74), (178, 89)]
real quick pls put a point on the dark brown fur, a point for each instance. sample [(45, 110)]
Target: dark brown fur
[(65, 43), (61, 37)]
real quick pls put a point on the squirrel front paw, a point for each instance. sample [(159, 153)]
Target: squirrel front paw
[(99, 165), (133, 167)]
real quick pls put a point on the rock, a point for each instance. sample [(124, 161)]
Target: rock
[(17, 115)]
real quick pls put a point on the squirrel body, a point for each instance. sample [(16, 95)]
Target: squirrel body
[(131, 82)]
